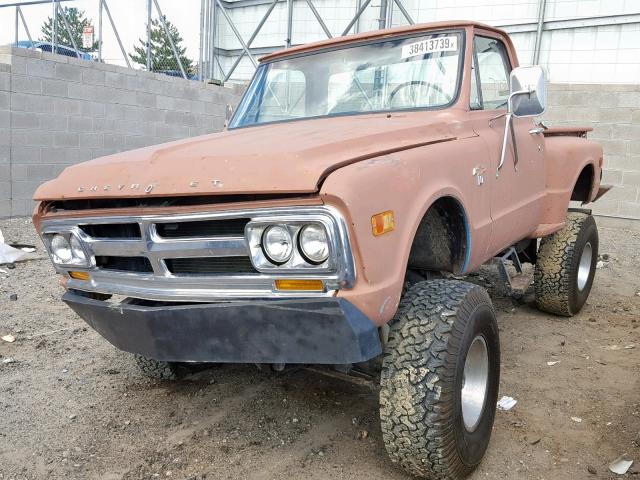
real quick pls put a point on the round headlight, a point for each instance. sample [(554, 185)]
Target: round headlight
[(314, 243), (76, 249), (277, 244), (61, 249)]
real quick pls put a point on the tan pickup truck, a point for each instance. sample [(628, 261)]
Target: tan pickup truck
[(356, 178)]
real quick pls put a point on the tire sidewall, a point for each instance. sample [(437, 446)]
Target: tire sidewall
[(588, 234), (471, 446)]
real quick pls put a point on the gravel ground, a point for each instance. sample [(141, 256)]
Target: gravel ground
[(74, 407)]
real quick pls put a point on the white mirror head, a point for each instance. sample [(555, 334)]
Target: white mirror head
[(528, 92)]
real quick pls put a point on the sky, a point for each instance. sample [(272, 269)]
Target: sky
[(130, 17)]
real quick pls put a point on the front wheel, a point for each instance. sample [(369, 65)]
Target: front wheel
[(158, 369), (566, 266), (440, 379)]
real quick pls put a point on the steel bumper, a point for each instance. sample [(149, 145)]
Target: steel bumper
[(312, 331)]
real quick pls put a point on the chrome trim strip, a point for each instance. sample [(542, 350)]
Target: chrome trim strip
[(164, 286)]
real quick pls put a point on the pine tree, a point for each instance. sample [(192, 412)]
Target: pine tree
[(77, 22), (162, 58)]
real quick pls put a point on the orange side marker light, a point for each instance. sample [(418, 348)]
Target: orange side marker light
[(382, 223)]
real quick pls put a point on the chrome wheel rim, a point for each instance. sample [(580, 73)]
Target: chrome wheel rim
[(474, 383), (584, 268)]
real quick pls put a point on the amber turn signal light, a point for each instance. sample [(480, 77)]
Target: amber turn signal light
[(382, 223), (300, 285), (79, 275)]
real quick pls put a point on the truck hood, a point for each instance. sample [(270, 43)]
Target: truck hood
[(290, 157)]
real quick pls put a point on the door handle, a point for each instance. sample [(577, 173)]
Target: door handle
[(537, 130)]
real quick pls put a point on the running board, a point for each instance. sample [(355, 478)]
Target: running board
[(509, 254)]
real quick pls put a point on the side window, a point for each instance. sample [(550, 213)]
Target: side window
[(493, 70)]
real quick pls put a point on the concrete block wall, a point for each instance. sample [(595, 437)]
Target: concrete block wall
[(613, 111), (56, 111)]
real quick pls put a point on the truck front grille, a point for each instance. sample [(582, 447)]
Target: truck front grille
[(124, 264), (232, 227), (195, 257), (210, 266)]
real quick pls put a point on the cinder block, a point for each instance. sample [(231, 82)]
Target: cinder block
[(614, 147), (41, 68), (80, 124), (5, 139), (146, 99), (26, 84), (626, 132), (31, 138), (606, 206), (93, 109), (66, 155), (612, 177), (623, 193), (115, 140), (22, 207), (634, 147), (115, 80), (5, 81), (628, 99), (93, 76), (141, 141), (63, 139), (67, 106), (631, 178), (40, 104), (5, 118), (25, 120), (58, 88), (23, 189), (52, 122), (630, 209), (5, 190), (635, 117), (92, 140), (614, 115), (69, 72), (4, 100), (25, 154)]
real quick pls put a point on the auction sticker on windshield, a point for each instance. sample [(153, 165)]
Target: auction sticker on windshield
[(447, 43)]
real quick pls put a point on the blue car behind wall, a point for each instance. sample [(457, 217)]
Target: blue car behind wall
[(59, 49)]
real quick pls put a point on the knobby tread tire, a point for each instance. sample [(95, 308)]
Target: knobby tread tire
[(158, 369), (417, 397), (555, 271)]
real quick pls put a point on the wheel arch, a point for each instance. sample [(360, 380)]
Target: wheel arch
[(583, 186), (442, 238)]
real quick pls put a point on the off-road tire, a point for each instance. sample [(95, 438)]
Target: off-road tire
[(158, 369), (559, 256), (421, 381)]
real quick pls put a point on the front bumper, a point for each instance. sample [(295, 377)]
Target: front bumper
[(309, 331)]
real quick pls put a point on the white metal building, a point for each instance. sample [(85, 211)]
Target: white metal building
[(582, 41)]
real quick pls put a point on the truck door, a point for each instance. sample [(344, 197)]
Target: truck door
[(518, 186)]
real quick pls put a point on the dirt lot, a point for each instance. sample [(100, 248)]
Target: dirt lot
[(72, 406)]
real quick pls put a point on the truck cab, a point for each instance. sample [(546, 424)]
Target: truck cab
[(357, 179)]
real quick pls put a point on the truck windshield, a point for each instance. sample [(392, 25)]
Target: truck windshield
[(400, 74)]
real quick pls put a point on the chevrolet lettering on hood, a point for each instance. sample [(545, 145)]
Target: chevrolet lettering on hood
[(138, 187)]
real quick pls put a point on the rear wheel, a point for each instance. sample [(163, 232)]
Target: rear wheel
[(440, 379), (566, 266)]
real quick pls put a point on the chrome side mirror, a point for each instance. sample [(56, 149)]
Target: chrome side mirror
[(528, 96)]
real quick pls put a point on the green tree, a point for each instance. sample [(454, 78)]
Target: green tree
[(77, 22), (162, 57)]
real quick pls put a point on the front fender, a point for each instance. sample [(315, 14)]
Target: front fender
[(407, 183)]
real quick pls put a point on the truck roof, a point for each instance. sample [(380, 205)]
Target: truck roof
[(375, 34)]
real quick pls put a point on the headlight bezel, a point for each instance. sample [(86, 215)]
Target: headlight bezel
[(70, 236), (297, 263)]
